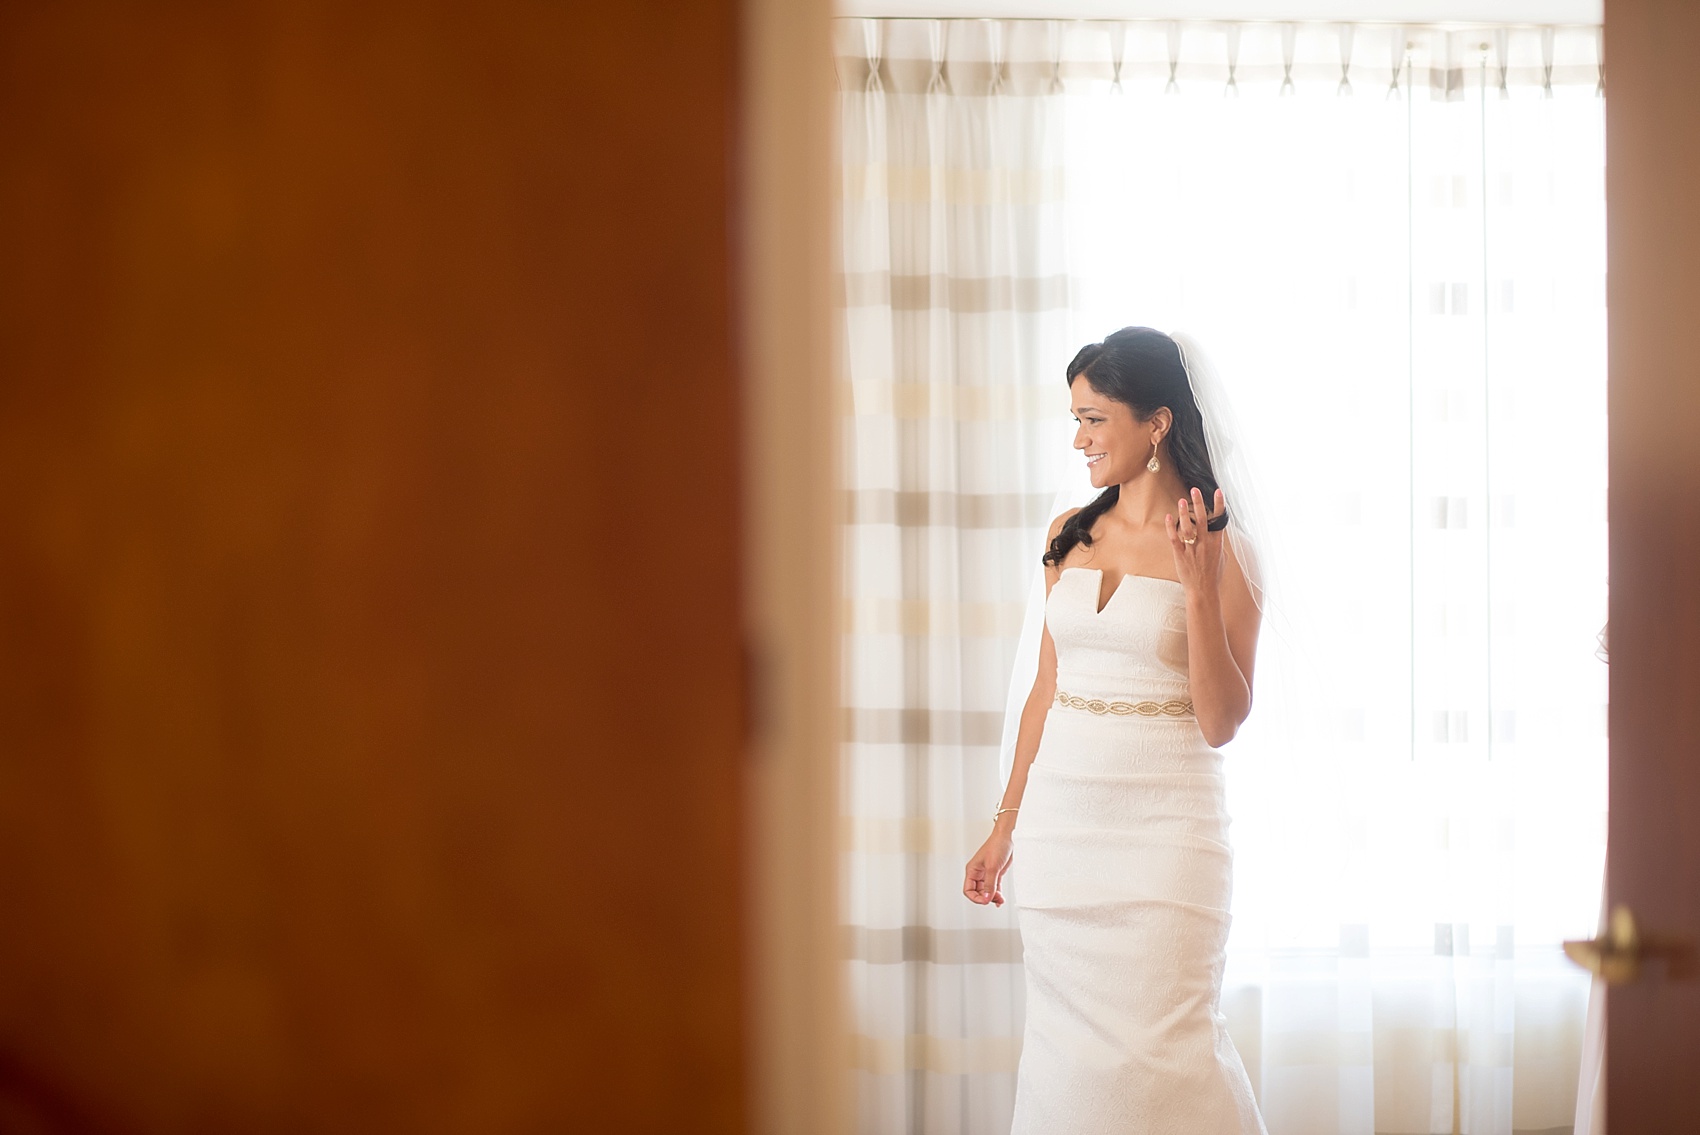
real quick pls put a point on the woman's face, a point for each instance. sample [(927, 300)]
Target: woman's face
[(1115, 443)]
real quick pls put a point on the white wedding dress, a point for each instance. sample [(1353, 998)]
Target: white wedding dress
[(1122, 876)]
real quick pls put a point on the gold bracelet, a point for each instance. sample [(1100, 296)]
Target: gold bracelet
[(1001, 811)]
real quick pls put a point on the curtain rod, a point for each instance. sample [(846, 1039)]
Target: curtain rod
[(1480, 13), (1444, 25)]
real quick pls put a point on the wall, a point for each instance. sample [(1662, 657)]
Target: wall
[(370, 547), (800, 1056)]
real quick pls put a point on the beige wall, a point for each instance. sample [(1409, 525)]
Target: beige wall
[(791, 579)]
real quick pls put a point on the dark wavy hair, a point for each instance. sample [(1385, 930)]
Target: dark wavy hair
[(1141, 368)]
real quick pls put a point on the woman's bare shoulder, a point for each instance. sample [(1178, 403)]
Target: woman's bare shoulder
[(1052, 571), (1062, 519)]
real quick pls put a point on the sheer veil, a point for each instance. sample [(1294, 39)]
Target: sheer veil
[(1249, 530)]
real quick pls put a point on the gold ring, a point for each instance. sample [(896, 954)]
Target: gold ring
[(1194, 540)]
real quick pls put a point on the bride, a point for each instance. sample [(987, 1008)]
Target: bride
[(1115, 799)]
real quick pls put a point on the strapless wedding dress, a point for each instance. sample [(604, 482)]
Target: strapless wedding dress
[(1122, 876)]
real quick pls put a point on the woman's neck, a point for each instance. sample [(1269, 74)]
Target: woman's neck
[(1145, 501)]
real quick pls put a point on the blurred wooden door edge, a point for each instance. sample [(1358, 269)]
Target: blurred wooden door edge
[(1653, 272)]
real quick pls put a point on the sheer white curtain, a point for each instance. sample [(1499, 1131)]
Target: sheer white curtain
[(1392, 240), (956, 299)]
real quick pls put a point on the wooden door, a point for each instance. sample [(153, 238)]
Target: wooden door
[(371, 727), (1653, 238)]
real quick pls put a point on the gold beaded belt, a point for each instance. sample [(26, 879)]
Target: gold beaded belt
[(1172, 708)]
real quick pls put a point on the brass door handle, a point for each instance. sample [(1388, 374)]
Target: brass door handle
[(1614, 955), (1618, 954)]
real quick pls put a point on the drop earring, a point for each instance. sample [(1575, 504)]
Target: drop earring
[(1153, 464)]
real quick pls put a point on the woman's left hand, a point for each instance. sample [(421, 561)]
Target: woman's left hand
[(1198, 551)]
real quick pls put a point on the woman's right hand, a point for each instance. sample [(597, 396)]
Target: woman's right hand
[(983, 881)]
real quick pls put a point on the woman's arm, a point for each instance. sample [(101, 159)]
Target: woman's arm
[(983, 879), (1032, 728), (1221, 623)]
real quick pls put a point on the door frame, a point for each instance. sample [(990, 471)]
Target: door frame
[(798, 1065)]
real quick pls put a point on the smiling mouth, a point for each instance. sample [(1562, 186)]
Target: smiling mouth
[(1094, 458)]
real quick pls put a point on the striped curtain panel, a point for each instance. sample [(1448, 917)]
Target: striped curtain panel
[(955, 294), (1392, 241)]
